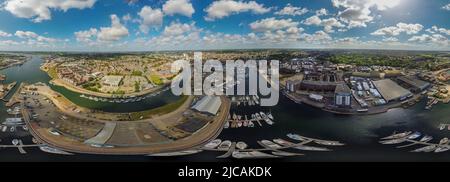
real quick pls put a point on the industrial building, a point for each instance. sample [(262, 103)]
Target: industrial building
[(415, 85), (391, 91), (342, 96), (208, 105)]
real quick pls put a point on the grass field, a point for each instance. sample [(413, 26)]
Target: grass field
[(160, 110)]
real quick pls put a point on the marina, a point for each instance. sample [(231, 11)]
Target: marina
[(412, 137), (253, 120), (276, 147)]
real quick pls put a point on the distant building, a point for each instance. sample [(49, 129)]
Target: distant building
[(113, 81), (343, 96)]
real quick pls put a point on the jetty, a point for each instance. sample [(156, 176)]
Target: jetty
[(15, 99)]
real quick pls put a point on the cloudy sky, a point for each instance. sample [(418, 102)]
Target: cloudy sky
[(146, 25)]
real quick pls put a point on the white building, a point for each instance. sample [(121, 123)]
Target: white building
[(208, 105)]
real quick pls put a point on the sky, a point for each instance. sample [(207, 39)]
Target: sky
[(153, 25)]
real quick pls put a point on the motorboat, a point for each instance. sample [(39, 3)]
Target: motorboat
[(53, 150), (414, 135), (393, 141), (241, 145), (296, 137), (329, 143), (213, 144), (298, 146), (426, 138), (441, 149), (15, 142), (180, 153), (442, 127), (269, 144), (251, 155), (285, 154), (443, 141), (429, 148), (225, 145), (270, 116), (397, 135)]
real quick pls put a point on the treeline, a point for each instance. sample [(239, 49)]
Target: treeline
[(419, 62)]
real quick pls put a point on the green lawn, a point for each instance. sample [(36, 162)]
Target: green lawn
[(155, 79)]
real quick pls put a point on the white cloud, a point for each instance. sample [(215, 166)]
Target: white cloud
[(182, 7), (292, 11), (40, 10), (435, 29), (399, 28), (26, 34), (390, 39), (270, 24), (328, 23), (87, 35), (446, 7), (271, 30), (317, 37), (106, 34), (177, 36), (313, 20), (34, 38), (357, 13), (432, 39), (113, 33), (322, 12), (150, 18), (223, 8), (4, 34)]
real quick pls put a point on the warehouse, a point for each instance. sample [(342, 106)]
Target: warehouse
[(391, 91), (208, 105), (414, 84)]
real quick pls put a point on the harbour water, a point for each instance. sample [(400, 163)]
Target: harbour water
[(360, 133)]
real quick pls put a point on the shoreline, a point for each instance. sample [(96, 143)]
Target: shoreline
[(211, 130), (371, 111)]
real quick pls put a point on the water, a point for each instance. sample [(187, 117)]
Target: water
[(360, 133)]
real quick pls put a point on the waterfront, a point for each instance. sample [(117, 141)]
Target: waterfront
[(360, 133)]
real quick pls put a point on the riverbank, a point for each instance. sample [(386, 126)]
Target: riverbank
[(369, 111)]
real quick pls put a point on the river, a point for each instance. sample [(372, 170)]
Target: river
[(360, 133)]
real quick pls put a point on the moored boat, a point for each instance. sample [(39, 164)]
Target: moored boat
[(241, 145), (269, 144), (393, 141), (429, 148), (251, 155), (296, 137), (397, 135), (441, 149), (53, 150), (225, 145), (426, 138), (414, 135), (213, 144)]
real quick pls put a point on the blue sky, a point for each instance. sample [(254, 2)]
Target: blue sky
[(147, 25)]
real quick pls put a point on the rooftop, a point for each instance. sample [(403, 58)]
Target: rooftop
[(390, 90)]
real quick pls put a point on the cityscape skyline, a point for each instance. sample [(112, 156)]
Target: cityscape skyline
[(137, 25)]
